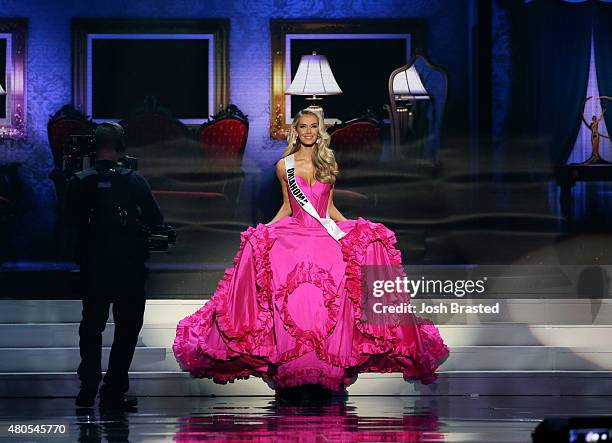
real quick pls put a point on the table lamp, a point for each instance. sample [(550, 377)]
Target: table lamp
[(408, 87), (314, 78)]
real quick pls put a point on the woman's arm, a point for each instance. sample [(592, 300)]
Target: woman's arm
[(285, 208), (602, 114), (334, 213)]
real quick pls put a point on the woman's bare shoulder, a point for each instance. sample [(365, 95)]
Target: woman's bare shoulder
[(280, 165), (280, 168)]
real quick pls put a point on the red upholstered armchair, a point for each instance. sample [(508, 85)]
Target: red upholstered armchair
[(162, 145), (61, 125), (187, 179), (151, 128), (357, 141), (222, 141), (169, 158), (225, 134)]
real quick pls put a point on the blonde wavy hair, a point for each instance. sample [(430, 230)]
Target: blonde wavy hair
[(322, 156)]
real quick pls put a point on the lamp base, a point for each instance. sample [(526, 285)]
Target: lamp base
[(317, 110)]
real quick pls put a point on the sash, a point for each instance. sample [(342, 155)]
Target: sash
[(300, 197)]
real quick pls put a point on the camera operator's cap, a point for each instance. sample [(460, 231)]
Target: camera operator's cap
[(110, 132), (102, 128)]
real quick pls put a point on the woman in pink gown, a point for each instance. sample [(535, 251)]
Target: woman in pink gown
[(289, 309)]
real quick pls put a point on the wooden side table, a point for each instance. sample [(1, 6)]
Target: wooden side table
[(566, 177)]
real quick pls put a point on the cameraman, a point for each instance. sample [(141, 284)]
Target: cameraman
[(109, 207)]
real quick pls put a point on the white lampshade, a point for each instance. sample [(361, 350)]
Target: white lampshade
[(314, 77), (407, 85)]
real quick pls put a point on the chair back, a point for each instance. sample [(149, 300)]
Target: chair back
[(225, 134), (150, 128), (64, 123), (356, 141)]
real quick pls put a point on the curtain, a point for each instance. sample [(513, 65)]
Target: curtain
[(587, 197), (557, 57), (602, 36)]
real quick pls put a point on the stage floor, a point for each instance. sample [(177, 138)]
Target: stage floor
[(262, 419)]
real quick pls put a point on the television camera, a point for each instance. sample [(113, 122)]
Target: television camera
[(81, 155)]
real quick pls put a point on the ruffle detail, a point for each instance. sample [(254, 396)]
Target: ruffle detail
[(197, 323), (421, 359), (322, 279), (307, 340), (311, 376), (418, 360), (240, 343), (414, 350), (354, 247), (248, 341)]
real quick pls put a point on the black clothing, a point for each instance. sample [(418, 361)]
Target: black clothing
[(107, 207), (126, 291), (128, 162), (86, 397)]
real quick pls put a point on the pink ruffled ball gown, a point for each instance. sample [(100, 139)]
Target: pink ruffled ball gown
[(289, 308)]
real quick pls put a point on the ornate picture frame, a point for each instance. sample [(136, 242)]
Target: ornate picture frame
[(13, 121), (217, 29), (281, 29)]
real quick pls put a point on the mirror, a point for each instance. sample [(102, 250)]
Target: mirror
[(417, 101)]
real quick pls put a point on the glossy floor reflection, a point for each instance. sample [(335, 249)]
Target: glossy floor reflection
[(263, 419)]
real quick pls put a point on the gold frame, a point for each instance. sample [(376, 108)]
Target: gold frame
[(279, 28), (13, 127), (81, 27)]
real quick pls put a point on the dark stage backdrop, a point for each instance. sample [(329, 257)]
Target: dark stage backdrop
[(355, 63), (3, 76), (602, 29), (209, 232), (175, 71)]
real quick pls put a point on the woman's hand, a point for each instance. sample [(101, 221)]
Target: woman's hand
[(334, 213)]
